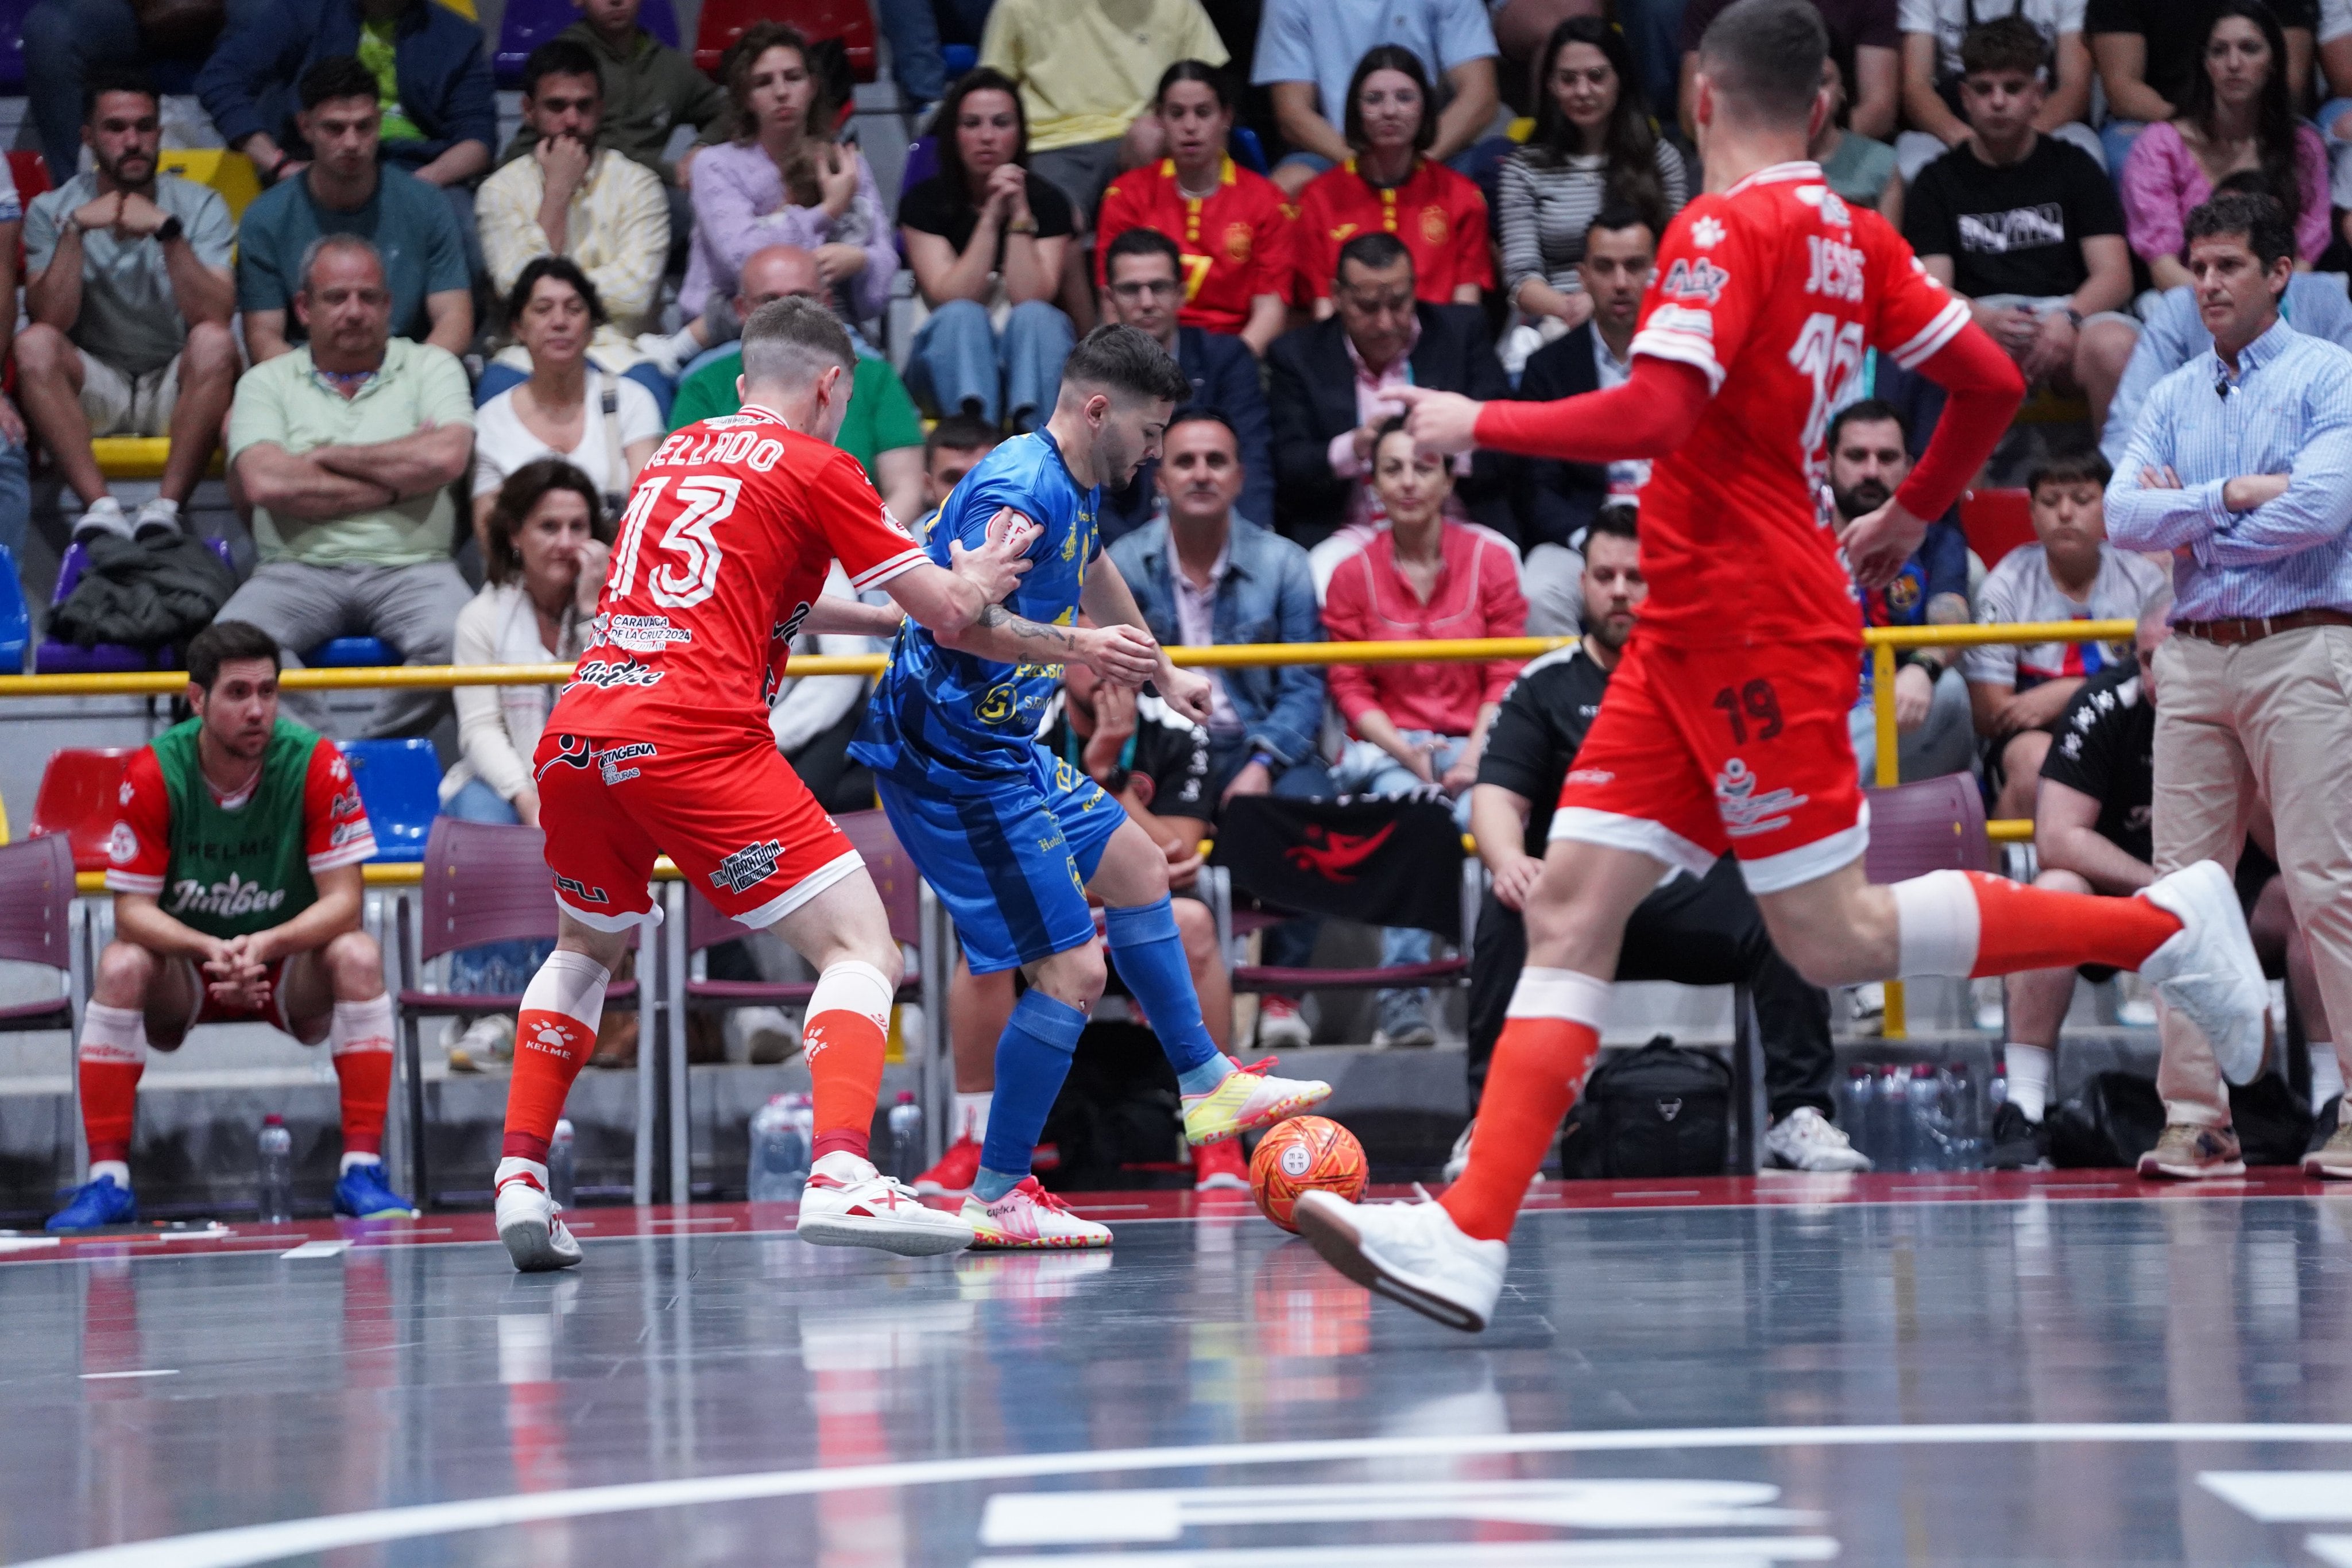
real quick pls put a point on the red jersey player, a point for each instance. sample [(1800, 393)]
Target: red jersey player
[(660, 744), (1725, 727)]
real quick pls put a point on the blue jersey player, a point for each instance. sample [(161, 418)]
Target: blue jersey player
[(1014, 839)]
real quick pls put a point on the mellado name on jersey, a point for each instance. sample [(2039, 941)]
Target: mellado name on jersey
[(227, 899)]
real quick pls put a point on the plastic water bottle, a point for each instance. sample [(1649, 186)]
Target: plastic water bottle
[(559, 1163), (905, 1140), (1960, 1114), (1931, 1131), (276, 1148), (780, 1153), (1856, 1109), (1894, 1119)]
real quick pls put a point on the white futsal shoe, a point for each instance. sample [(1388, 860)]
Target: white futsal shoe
[(1409, 1252), (536, 1239), (2208, 970), (848, 1203), (1029, 1219)]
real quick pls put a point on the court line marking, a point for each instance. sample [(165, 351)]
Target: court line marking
[(143, 1372), (242, 1546), (317, 1249)]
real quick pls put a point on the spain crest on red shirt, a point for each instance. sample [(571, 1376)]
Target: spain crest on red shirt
[(1434, 224), (1237, 243)]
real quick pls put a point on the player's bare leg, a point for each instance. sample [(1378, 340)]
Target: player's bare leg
[(844, 933), (1445, 1260), (336, 993)]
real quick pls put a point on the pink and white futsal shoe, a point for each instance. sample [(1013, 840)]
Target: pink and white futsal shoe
[(848, 1203), (1029, 1219)]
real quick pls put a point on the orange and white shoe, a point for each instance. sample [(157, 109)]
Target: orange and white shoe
[(1220, 1167), (1249, 1099), (1029, 1219), (848, 1203), (957, 1170)]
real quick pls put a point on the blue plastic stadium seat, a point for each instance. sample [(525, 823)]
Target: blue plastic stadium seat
[(15, 621), (350, 653), (531, 23), (1246, 149), (958, 58), (400, 785), (56, 658)]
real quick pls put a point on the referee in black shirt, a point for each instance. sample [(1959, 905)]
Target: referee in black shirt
[(1693, 931)]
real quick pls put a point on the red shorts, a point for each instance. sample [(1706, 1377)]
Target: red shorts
[(737, 820), (272, 1012), (1700, 750)]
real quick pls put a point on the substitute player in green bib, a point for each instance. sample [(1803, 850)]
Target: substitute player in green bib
[(235, 868)]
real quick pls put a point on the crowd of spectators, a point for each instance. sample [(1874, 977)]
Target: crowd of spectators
[(1308, 218)]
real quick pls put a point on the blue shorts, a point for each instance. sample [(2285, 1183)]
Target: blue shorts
[(1011, 861)]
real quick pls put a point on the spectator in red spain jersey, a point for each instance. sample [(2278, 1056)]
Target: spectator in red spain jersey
[(1233, 226), (1392, 186), (235, 875)]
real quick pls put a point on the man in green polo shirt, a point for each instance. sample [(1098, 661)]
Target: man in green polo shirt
[(882, 430), (346, 446)]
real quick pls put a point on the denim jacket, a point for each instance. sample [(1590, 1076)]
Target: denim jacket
[(1268, 595)]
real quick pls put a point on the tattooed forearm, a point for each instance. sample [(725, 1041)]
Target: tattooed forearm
[(996, 618)]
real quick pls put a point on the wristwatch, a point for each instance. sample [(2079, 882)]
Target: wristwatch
[(170, 229)]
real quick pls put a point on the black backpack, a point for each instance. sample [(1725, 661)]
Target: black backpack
[(2118, 1117), (1660, 1111), (1116, 1121)]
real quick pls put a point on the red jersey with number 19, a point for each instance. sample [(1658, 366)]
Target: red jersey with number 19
[(724, 547), (1774, 288)]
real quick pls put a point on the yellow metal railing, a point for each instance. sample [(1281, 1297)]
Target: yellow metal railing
[(1882, 642)]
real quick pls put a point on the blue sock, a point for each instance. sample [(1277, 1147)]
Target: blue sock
[(1032, 1058), (1150, 954)]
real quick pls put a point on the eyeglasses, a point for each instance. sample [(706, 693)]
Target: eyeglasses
[(1160, 288)]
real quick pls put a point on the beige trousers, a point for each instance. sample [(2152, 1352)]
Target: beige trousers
[(2269, 721)]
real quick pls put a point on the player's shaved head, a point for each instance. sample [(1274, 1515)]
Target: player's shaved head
[(1765, 59), (790, 342)]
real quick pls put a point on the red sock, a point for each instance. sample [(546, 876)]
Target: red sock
[(845, 1038), (1540, 1064), (555, 1031), (362, 1036), (112, 1056), (2021, 927)]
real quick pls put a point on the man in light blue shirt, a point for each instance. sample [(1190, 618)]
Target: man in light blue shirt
[(2171, 335), (2240, 467)]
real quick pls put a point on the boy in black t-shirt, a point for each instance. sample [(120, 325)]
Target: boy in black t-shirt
[(1693, 931), (2027, 228), (2092, 834)]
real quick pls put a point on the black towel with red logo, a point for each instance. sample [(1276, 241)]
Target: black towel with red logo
[(1385, 862)]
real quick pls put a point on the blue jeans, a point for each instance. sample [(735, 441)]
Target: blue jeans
[(64, 41), (916, 30), (960, 362), (496, 377), (15, 499), (2117, 135), (1365, 769), (495, 969)]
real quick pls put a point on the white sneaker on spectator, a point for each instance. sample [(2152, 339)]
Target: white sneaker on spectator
[(1280, 1025), (769, 1035), (103, 516), (156, 517), (487, 1044), (1459, 1160), (1869, 1009), (1805, 1140)]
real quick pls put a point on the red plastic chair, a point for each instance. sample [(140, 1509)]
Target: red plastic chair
[(484, 881), (895, 878), (79, 799), (1995, 522), (37, 893), (1935, 824), (851, 21)]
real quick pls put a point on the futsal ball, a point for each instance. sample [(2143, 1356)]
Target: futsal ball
[(1302, 1154)]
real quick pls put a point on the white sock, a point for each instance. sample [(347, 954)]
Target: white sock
[(2326, 1076), (352, 1157), (1937, 924), (2028, 1077), (972, 1115), (360, 1026), (569, 983), (852, 986), (163, 504), (119, 1169), (1560, 994)]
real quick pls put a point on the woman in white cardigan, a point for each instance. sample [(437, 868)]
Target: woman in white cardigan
[(547, 537)]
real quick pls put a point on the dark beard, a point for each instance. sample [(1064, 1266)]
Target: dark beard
[(1861, 500)]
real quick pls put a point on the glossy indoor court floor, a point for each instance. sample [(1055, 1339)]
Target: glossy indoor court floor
[(1876, 1370)]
